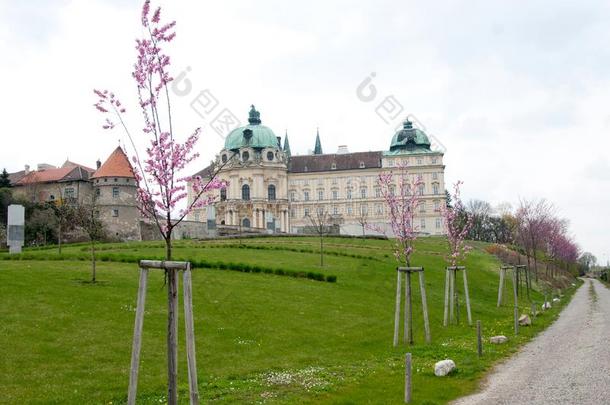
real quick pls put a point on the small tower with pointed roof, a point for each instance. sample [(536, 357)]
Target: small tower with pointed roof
[(318, 148), (286, 146), (115, 190)]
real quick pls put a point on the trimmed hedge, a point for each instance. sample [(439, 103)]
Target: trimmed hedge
[(235, 266)]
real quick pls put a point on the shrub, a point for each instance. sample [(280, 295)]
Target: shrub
[(331, 279)]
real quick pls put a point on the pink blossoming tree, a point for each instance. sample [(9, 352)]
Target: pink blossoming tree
[(457, 223), (401, 194), (161, 187)]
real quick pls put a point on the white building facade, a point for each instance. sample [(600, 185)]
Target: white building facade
[(271, 191)]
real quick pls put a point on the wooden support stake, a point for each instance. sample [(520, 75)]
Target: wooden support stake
[(501, 287), (408, 378), (451, 295), (457, 299), (397, 310), (446, 308), (516, 303), (424, 304), (189, 331), (467, 298), (410, 308), (479, 339), (137, 338), (172, 337)]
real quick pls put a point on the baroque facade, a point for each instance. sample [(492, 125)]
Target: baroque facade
[(272, 191)]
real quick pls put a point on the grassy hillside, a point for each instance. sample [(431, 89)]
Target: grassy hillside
[(261, 338)]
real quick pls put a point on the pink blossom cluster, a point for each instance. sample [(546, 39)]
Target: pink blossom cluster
[(401, 196), (108, 103), (457, 223), (538, 229)]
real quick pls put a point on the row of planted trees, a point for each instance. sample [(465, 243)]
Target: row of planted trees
[(533, 228)]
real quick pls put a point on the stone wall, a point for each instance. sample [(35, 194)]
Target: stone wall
[(184, 230)]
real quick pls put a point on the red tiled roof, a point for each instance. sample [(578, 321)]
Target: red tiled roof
[(67, 173), (347, 161), (117, 165)]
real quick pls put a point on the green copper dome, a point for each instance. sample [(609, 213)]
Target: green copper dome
[(253, 135), (410, 139)]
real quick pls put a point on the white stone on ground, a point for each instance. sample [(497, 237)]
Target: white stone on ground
[(556, 300), (546, 305), (498, 340), (524, 320), (443, 367)]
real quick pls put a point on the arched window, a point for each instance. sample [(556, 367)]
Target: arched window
[(269, 155), (223, 194), (246, 223), (224, 158), (245, 156), (435, 188), (245, 192), (271, 192)]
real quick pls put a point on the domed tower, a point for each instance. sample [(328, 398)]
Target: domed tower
[(254, 164), (411, 146), (115, 189)]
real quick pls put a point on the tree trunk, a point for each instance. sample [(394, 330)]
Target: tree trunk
[(59, 237), (172, 327), (321, 250), (93, 261)]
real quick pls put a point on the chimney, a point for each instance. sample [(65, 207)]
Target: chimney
[(27, 169), (98, 164), (342, 150)]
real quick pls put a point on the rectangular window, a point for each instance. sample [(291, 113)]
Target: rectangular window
[(437, 205), (293, 196), (306, 195), (98, 192), (115, 192), (377, 192), (69, 193), (434, 176), (438, 223), (435, 188), (350, 210), (363, 193), (320, 195), (422, 207), (335, 194), (292, 213), (348, 193), (378, 209), (306, 212), (115, 212), (423, 223), (335, 210)]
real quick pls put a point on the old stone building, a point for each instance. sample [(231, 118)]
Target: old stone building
[(273, 191), (115, 191), (50, 183)]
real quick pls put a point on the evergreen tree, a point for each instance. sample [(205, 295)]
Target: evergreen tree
[(4, 180)]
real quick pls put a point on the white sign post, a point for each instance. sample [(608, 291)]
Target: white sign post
[(16, 228)]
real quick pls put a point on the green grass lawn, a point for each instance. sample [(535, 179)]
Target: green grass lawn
[(261, 338)]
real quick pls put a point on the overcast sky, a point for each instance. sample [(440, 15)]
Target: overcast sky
[(518, 93)]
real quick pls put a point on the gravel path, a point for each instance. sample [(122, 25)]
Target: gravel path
[(569, 363)]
